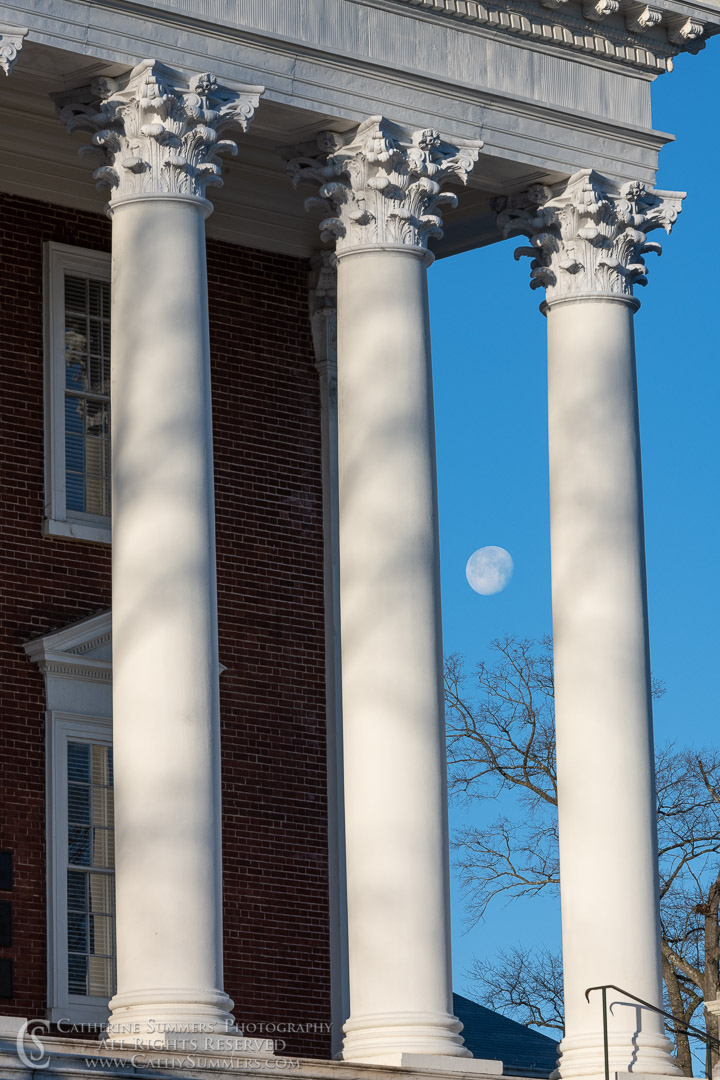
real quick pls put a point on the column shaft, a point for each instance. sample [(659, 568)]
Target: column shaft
[(393, 712), (606, 787), (165, 650), (381, 194)]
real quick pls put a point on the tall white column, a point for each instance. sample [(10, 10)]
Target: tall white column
[(159, 138), (587, 243), (382, 194)]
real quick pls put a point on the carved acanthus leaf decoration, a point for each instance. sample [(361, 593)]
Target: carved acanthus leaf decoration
[(158, 132), (591, 238), (385, 185), (11, 42)]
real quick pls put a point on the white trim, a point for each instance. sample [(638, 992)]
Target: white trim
[(75, 530), (64, 653), (62, 726), (58, 259)]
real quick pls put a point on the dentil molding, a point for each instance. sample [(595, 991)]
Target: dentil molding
[(11, 42), (383, 186), (158, 131), (590, 238)]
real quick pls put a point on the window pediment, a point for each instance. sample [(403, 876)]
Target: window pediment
[(82, 650)]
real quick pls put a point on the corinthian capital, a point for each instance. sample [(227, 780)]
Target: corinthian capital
[(383, 187), (591, 238), (157, 131)]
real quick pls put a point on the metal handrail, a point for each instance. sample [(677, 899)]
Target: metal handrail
[(709, 1040)]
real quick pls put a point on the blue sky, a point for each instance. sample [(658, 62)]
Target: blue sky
[(489, 364)]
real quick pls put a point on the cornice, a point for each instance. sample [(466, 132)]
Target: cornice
[(641, 35)]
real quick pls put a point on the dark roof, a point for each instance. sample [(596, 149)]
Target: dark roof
[(489, 1035)]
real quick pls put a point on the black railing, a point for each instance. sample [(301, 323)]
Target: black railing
[(709, 1040)]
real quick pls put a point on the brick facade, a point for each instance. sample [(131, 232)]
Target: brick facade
[(269, 546)]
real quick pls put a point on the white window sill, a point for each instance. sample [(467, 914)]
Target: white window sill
[(77, 530), (78, 1014)]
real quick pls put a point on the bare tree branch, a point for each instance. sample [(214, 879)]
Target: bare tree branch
[(526, 983)]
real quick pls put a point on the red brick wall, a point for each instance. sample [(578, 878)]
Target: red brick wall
[(269, 543)]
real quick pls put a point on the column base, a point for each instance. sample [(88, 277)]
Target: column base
[(142, 1014), (11, 1026), (629, 1053), (383, 1038), (442, 1063)]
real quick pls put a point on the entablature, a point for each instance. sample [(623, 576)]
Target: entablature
[(544, 103)]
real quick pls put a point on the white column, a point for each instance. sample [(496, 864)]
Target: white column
[(395, 782), (382, 192), (159, 136), (588, 243)]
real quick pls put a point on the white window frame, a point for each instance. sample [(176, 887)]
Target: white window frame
[(60, 259), (63, 727)]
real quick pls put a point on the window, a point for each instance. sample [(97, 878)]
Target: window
[(82, 868), (90, 865), (77, 393), (76, 663)]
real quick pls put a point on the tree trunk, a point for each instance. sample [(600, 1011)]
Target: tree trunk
[(677, 1008), (711, 988)]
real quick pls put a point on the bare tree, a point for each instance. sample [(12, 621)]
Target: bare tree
[(526, 983), (501, 738)]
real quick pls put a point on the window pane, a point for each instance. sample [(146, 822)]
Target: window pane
[(102, 766), (101, 893), (75, 368), (77, 890), (78, 804), (95, 298), (101, 976), (103, 854), (77, 932), (101, 935), (74, 454), (87, 398), (97, 375), (78, 763), (77, 974), (91, 892), (75, 293), (78, 845), (75, 492), (74, 415)]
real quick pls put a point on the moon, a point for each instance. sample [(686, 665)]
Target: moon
[(489, 570)]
